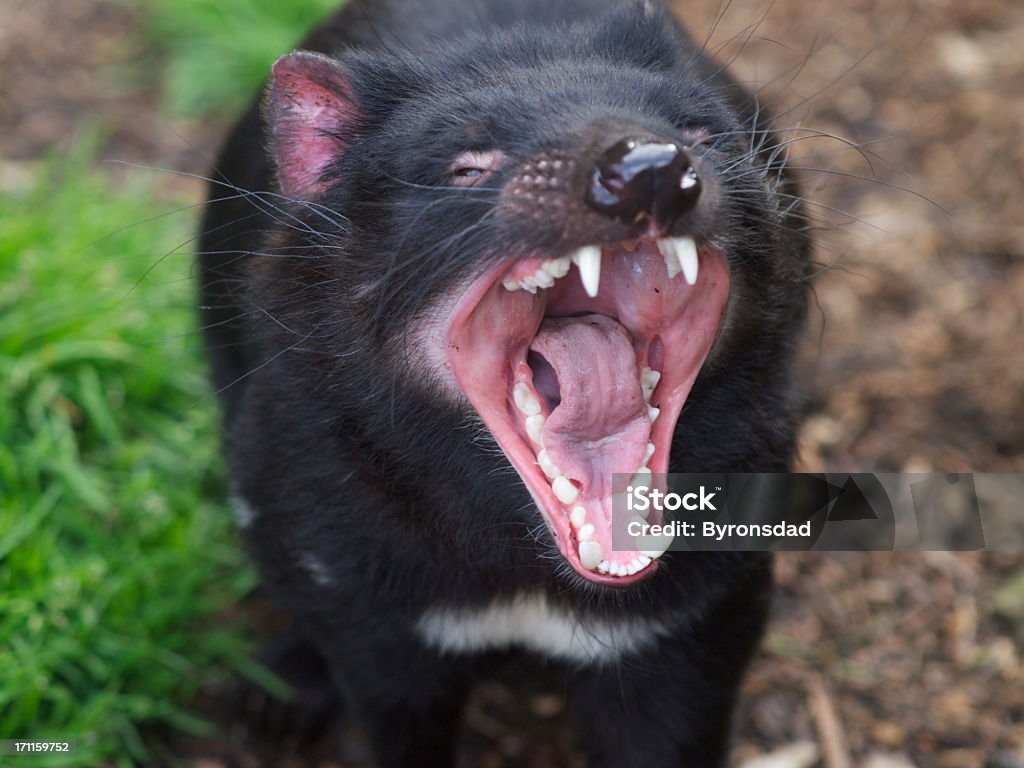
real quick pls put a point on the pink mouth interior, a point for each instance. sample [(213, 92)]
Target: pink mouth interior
[(582, 359)]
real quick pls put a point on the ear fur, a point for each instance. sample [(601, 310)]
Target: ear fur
[(313, 116)]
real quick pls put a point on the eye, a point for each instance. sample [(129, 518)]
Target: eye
[(470, 168)]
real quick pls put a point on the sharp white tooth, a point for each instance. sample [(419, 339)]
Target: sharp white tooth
[(632, 568), (591, 554), (652, 413), (668, 251), (548, 466), (655, 546), (588, 259), (543, 279), (651, 545), (642, 478), (557, 267), (535, 429), (654, 554), (511, 285), (585, 533), (578, 517), (649, 378), (644, 561), (529, 284), (620, 569), (525, 400), (647, 454), (686, 252), (565, 491), (603, 566)]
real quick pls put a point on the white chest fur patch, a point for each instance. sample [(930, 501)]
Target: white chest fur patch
[(530, 622)]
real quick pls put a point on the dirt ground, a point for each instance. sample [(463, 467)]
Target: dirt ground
[(914, 360)]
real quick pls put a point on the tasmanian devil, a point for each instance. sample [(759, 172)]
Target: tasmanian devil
[(465, 261)]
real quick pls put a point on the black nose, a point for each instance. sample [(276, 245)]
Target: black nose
[(637, 179)]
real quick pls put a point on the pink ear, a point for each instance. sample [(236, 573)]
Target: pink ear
[(312, 116)]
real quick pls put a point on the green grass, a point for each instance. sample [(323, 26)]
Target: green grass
[(116, 550), (217, 53), (118, 559)]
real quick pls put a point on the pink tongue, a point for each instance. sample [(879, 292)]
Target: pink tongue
[(601, 425)]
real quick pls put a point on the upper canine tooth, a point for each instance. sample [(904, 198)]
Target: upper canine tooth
[(557, 267), (668, 251), (652, 413), (588, 259), (525, 400), (680, 256), (686, 251)]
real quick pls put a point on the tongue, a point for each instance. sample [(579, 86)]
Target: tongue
[(601, 425)]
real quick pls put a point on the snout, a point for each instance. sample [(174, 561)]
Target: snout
[(643, 179)]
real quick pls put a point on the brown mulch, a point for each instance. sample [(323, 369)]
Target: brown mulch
[(914, 360)]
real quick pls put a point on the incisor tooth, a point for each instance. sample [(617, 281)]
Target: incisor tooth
[(557, 267), (543, 279), (564, 490), (591, 554), (525, 401), (588, 260)]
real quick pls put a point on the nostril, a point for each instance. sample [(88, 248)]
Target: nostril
[(636, 179)]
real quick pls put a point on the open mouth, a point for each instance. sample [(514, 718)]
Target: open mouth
[(580, 366)]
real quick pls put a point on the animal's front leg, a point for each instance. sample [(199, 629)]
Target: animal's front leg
[(670, 705), (408, 699)]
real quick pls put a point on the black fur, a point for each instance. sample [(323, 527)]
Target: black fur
[(344, 443)]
